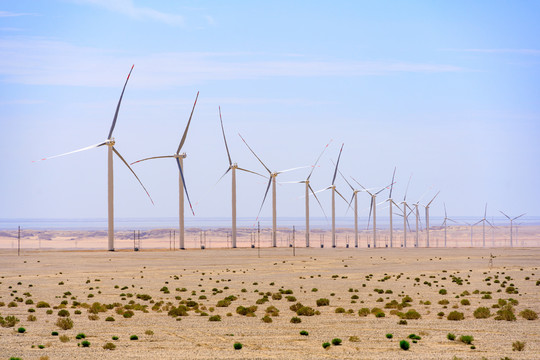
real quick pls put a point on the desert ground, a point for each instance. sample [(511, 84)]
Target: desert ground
[(167, 298)]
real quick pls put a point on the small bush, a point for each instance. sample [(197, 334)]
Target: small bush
[(404, 345), (109, 346), (323, 302), (8, 321), (109, 318), (246, 310), (304, 333), (339, 310), (21, 330), (31, 318), (296, 320), (465, 302), (467, 339), (443, 292), (80, 336), (133, 337), (402, 322), (214, 318), (389, 336), (363, 312), (42, 304), (411, 315), (266, 319), (451, 336), (63, 313), (482, 313), (85, 343), (326, 345), (237, 346), (455, 316), (54, 333), (506, 313), (336, 341), (529, 314), (115, 337), (64, 323), (64, 338), (518, 346)]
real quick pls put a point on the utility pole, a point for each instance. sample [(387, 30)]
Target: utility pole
[(259, 239)]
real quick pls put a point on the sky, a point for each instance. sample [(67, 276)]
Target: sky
[(446, 92)]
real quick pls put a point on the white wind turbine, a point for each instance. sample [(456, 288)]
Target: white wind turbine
[(334, 191), (427, 218), (232, 167), (483, 221), (308, 189), (373, 208), (511, 225), (405, 215), (446, 218), (272, 181), (110, 142), (181, 181)]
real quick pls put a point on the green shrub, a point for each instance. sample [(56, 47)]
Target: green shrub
[(336, 341), (455, 316), (482, 313), (8, 321), (80, 336), (64, 323), (246, 310), (323, 302), (237, 346), (214, 318), (266, 319), (443, 292), (506, 313), (451, 336), (411, 315), (133, 337), (467, 339), (402, 322), (389, 336), (115, 337), (363, 312), (21, 330), (339, 310), (414, 337), (528, 314), (380, 314), (296, 320), (109, 346), (465, 302), (54, 333), (518, 346), (272, 311), (305, 311), (444, 302), (42, 304), (404, 345), (326, 345), (85, 343), (31, 318), (63, 313), (64, 338), (304, 333)]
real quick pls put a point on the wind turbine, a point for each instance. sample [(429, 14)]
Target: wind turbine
[(372, 208), (483, 221), (446, 218), (271, 181), (232, 167), (308, 189), (511, 225), (427, 218), (405, 215), (471, 225), (355, 198), (390, 202), (334, 191), (181, 182), (110, 142)]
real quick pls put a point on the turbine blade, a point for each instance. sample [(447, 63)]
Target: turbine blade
[(341, 196), (517, 217), (485, 211), (249, 171), (224, 139), (296, 168), (153, 157), (118, 106), (429, 203), (222, 176), (370, 209), (184, 183), (350, 202), (316, 162), (72, 152), (407, 189), (293, 182), (187, 128), (337, 164), (129, 167), (253, 152), (366, 190), (316, 198), (505, 215), (445, 216), (264, 198), (318, 191), (392, 186)]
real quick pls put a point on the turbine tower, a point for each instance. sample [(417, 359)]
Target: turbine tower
[(483, 221), (427, 218), (390, 202), (181, 181), (405, 215), (232, 167), (355, 198), (334, 191), (271, 181), (511, 225), (308, 189), (446, 218), (110, 142)]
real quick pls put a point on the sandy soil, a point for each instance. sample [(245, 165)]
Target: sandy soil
[(337, 274)]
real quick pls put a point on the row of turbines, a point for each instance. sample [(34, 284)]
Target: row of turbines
[(406, 209)]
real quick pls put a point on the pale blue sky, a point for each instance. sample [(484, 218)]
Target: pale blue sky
[(448, 91)]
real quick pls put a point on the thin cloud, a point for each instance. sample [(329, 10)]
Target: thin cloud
[(45, 62), (128, 8), (12, 14), (500, 51)]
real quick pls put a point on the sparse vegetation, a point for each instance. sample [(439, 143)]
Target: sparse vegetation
[(518, 346), (404, 345), (455, 316)]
